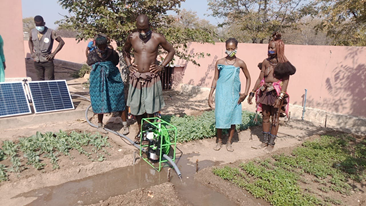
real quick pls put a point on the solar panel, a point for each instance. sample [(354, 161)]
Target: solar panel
[(13, 100), (50, 96)]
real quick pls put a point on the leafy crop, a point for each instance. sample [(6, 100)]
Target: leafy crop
[(333, 162), (36, 149), (203, 126)]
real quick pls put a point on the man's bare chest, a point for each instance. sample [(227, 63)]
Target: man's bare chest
[(141, 46)]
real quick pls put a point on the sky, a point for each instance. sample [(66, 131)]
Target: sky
[(51, 11)]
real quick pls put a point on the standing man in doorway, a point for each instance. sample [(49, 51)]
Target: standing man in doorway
[(145, 89), (40, 45)]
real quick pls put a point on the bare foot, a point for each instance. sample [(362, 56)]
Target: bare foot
[(269, 148), (229, 147), (261, 146), (124, 130), (218, 146)]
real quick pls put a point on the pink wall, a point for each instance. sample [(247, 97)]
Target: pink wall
[(333, 76), (72, 50), (11, 30)]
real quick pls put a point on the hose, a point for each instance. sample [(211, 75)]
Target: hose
[(128, 139)]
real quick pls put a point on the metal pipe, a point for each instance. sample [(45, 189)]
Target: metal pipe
[(303, 109)]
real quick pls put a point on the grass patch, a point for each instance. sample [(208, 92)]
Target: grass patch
[(203, 126), (334, 163), (32, 151)]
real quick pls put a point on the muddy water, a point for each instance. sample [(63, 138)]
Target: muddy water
[(120, 181)]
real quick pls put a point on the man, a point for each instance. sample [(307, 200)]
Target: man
[(40, 46), (145, 89)]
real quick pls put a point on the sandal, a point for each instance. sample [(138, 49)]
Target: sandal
[(218, 146), (229, 147), (137, 139)]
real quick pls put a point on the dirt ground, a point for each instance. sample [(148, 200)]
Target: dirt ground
[(122, 155)]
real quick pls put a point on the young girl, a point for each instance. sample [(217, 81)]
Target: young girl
[(270, 90), (228, 99)]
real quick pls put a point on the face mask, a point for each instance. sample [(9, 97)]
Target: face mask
[(271, 52), (230, 53), (146, 35), (40, 28)]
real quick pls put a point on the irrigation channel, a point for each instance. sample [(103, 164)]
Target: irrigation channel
[(121, 181)]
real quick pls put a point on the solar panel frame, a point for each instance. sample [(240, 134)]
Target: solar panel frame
[(16, 98), (50, 96)]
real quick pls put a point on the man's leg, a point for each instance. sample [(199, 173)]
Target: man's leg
[(39, 70), (229, 147), (138, 119), (49, 70)]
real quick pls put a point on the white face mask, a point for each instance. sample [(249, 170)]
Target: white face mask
[(230, 53), (40, 28)]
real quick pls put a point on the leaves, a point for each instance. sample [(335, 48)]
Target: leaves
[(255, 20), (193, 128), (331, 161), (117, 20), (344, 21), (49, 145)]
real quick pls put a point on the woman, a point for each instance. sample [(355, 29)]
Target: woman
[(271, 88), (106, 86), (228, 98)]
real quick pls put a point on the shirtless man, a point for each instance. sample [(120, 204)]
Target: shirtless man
[(145, 89)]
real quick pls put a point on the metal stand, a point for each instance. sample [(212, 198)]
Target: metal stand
[(157, 137)]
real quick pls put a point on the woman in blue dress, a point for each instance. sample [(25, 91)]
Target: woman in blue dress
[(228, 97)]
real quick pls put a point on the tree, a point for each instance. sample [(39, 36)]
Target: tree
[(28, 24), (189, 19), (305, 34), (343, 20), (257, 19), (116, 18)]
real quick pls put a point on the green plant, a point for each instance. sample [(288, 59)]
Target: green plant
[(49, 145), (85, 69), (331, 161), (203, 126)]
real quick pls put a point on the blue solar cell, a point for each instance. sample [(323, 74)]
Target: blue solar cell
[(13, 100), (50, 96)]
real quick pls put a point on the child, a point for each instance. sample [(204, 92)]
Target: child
[(228, 98), (270, 90)]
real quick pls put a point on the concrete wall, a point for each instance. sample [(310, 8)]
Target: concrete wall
[(11, 30), (73, 51), (333, 76)]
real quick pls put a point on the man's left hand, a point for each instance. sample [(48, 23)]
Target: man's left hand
[(50, 56), (155, 68), (242, 98)]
